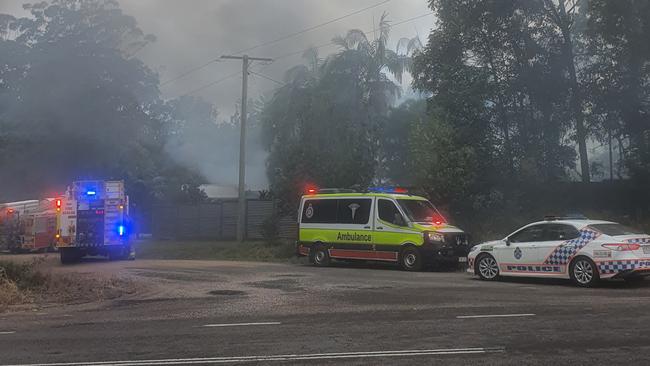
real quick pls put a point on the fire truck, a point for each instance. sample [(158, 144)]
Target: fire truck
[(28, 226), (93, 219)]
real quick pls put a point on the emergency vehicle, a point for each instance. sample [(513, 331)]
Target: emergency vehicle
[(28, 226), (382, 224), (93, 219), (576, 248)]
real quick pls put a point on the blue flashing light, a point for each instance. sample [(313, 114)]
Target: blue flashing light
[(91, 193), (391, 190), (120, 230)]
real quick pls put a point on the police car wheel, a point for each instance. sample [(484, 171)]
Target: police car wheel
[(320, 256), (487, 268), (583, 272), (411, 259)]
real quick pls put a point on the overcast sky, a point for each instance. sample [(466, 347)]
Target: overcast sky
[(190, 33)]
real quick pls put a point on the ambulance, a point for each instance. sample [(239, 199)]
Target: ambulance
[(380, 224), (93, 219)]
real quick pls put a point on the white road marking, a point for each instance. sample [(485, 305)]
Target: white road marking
[(492, 316), (241, 324), (7, 333), (288, 357)]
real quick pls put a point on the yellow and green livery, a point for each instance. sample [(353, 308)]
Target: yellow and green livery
[(384, 225)]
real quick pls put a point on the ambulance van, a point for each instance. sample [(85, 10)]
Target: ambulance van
[(381, 224)]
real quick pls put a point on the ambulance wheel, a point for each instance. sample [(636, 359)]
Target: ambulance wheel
[(486, 267), (320, 256), (583, 272), (410, 259)]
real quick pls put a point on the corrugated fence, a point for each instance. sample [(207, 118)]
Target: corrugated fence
[(216, 221)]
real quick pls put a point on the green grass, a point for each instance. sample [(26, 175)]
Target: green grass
[(215, 250)]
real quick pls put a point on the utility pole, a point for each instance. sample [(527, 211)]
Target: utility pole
[(241, 210)]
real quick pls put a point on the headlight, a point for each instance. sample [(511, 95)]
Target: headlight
[(431, 236)]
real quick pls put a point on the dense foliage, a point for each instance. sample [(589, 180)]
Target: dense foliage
[(74, 104)]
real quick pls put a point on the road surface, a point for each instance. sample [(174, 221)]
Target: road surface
[(210, 312)]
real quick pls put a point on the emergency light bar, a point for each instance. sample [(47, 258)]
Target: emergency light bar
[(399, 190)]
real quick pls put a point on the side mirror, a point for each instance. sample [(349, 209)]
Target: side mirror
[(507, 240)]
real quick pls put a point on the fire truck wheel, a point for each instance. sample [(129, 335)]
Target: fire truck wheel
[(119, 254), (69, 256)]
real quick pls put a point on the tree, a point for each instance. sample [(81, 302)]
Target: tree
[(616, 40), (75, 105), (324, 126)]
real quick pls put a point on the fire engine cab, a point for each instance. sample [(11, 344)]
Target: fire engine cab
[(93, 219)]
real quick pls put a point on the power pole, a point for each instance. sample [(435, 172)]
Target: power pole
[(241, 210)]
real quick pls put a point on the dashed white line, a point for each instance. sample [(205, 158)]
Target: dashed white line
[(493, 316), (287, 357), (240, 324), (1, 333)]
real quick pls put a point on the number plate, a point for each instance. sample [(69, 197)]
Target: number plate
[(646, 249), (462, 259)]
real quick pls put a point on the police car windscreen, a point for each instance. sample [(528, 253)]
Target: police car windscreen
[(615, 229), (419, 210)]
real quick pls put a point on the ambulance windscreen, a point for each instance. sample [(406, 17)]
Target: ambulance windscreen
[(420, 211)]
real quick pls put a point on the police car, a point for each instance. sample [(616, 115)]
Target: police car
[(577, 248), (380, 224)]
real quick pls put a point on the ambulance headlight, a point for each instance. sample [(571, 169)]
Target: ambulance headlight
[(433, 237)]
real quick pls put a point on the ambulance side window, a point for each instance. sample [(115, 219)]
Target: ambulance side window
[(319, 211), (354, 211), (388, 212)]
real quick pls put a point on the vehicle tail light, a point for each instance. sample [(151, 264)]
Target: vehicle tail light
[(622, 247)]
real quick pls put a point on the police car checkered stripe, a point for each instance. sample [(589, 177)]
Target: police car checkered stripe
[(618, 266), (638, 241), (563, 253)]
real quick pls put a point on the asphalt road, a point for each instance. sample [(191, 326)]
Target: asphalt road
[(206, 312)]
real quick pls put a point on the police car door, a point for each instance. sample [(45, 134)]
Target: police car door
[(520, 248), (554, 236)]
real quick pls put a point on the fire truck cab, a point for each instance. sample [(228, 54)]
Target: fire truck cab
[(93, 219)]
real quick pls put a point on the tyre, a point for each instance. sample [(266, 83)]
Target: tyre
[(68, 256), (410, 259), (320, 256), (119, 254), (583, 272), (487, 268)]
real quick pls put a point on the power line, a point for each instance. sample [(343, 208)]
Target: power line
[(313, 27), (332, 43), (267, 77), (209, 84), (189, 72), (200, 67), (296, 53)]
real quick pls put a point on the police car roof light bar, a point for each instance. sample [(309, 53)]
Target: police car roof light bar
[(574, 216)]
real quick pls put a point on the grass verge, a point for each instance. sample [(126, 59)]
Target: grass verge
[(29, 282), (216, 250)]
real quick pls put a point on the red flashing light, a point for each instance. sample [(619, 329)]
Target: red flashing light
[(10, 211), (439, 220), (58, 204), (400, 190), (311, 190)]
